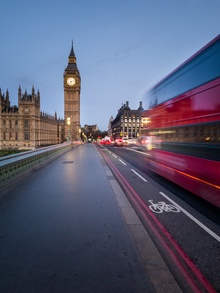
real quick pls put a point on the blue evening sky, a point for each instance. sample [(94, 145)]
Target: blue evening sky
[(122, 48)]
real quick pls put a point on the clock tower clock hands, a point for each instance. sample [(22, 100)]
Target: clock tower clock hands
[(71, 81)]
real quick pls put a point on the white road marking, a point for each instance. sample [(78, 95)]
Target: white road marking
[(122, 162), (162, 206), (138, 175), (193, 218), (140, 152), (114, 155)]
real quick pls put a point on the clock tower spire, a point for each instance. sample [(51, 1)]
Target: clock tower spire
[(72, 87), (72, 57)]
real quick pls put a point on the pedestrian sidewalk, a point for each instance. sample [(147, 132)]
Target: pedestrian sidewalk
[(75, 231)]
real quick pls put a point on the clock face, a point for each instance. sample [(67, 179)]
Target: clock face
[(71, 81)]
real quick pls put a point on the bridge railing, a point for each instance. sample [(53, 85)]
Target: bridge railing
[(14, 166)]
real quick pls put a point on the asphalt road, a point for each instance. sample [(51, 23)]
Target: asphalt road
[(194, 230), (62, 231)]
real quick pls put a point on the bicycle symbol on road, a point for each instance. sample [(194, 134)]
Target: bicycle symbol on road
[(161, 207)]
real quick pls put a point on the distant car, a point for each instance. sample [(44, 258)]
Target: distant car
[(125, 140), (132, 141), (145, 142), (105, 141), (118, 142)]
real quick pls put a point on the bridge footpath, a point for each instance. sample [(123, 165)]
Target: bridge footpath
[(67, 228)]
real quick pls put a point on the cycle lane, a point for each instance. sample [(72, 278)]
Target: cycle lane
[(188, 235)]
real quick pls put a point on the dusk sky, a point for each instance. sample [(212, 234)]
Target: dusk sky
[(122, 47)]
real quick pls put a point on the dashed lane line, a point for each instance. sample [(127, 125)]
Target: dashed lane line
[(139, 175)]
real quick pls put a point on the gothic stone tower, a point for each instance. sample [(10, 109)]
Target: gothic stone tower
[(72, 85), (29, 109)]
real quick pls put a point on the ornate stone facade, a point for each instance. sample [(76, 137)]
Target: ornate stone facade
[(127, 123), (72, 86), (25, 126)]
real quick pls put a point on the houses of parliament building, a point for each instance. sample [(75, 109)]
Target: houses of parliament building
[(27, 127)]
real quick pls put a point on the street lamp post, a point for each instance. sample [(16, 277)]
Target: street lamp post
[(80, 133), (68, 128)]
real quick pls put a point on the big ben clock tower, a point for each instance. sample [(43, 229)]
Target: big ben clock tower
[(72, 85)]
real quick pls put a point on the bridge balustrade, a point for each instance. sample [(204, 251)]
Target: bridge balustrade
[(14, 166)]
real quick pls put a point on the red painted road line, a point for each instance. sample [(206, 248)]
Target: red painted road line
[(180, 252)]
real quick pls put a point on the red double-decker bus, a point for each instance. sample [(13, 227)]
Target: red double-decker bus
[(185, 124)]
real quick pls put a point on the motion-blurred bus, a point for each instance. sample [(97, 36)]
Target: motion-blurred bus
[(185, 124)]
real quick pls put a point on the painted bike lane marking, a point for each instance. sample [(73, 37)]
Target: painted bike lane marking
[(161, 207), (210, 232)]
